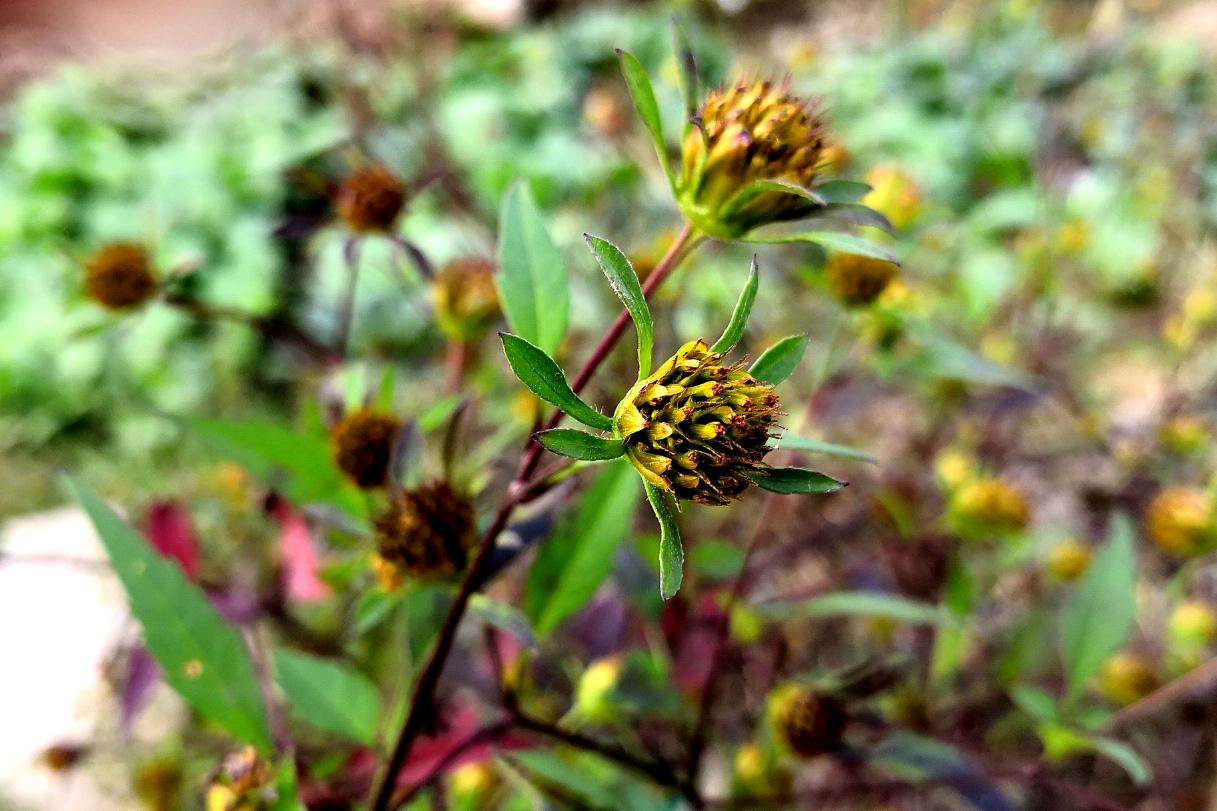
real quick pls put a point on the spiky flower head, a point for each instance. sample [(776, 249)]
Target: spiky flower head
[(806, 722), (749, 132), (466, 299), (120, 276), (697, 428), (426, 533), (1180, 520), (858, 280), (363, 446), (371, 199)]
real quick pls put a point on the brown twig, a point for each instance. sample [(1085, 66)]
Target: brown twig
[(422, 700)]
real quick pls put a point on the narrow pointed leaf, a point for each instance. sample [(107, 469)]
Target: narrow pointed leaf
[(739, 316), (580, 444), (671, 551), (686, 72), (842, 191), (541, 374), (643, 95), (856, 604), (202, 656), (832, 240), (792, 442), (1099, 616), (624, 281), (778, 361), (329, 695), (759, 187), (532, 279), (796, 481)]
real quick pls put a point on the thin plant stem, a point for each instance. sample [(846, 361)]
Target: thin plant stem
[(422, 702), (346, 315)]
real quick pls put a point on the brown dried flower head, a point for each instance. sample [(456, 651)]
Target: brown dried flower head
[(466, 299), (426, 533), (697, 428), (806, 722), (371, 199), (363, 446), (858, 280), (749, 133), (120, 276)]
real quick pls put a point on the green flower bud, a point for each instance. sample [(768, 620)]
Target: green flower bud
[(749, 133), (697, 428)]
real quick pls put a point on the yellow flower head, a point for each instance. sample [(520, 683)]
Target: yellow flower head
[(991, 504), (1126, 677), (858, 280), (1180, 520), (696, 428), (1068, 560), (805, 722), (749, 132)]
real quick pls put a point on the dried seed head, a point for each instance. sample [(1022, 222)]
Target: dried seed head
[(990, 504), (1180, 520), (749, 132), (858, 280), (697, 428), (426, 533), (363, 446), (466, 299), (806, 722), (371, 199), (120, 276)]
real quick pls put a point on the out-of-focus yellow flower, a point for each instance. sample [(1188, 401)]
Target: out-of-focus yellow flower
[(1072, 237), (466, 299), (858, 280), (805, 722), (954, 467), (1127, 677), (988, 505), (244, 783), (1193, 623), (1069, 559), (594, 693), (1180, 520), (894, 194), (474, 779), (1183, 435)]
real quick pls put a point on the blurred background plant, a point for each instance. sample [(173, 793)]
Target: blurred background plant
[(1012, 605)]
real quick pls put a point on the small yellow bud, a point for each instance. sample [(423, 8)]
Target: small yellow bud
[(1180, 521), (244, 783), (1193, 623), (894, 194), (1127, 677), (1068, 560), (954, 467), (988, 505)]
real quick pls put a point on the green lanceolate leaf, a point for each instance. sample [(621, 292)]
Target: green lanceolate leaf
[(739, 316), (202, 656), (532, 278), (329, 695), (842, 191), (686, 74), (571, 566), (792, 442), (1099, 616), (671, 551), (796, 481), (856, 604), (758, 187), (624, 281), (832, 240), (643, 95), (541, 374), (778, 361), (579, 444)]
